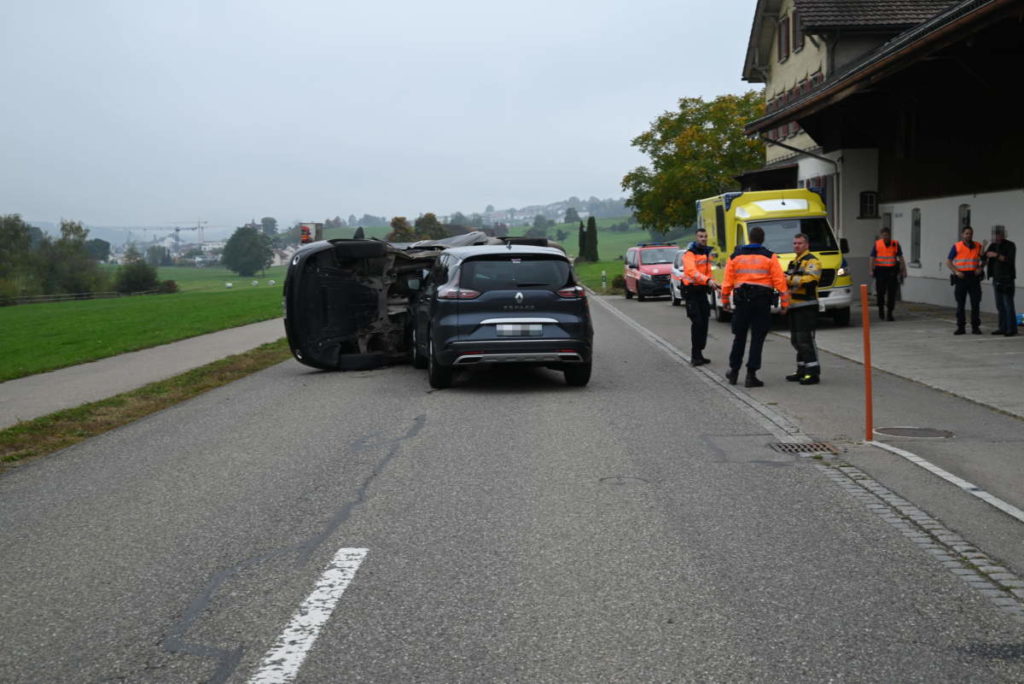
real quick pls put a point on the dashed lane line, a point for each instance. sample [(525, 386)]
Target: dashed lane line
[(282, 662)]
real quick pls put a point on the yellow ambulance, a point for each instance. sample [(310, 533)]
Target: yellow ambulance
[(782, 214)]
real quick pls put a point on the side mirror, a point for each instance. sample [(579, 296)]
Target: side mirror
[(844, 245), (413, 284)]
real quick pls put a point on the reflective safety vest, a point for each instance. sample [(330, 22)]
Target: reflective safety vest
[(696, 268), (886, 257), (754, 265), (967, 258), (804, 273)]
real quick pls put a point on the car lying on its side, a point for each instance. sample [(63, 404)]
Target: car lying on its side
[(502, 304)]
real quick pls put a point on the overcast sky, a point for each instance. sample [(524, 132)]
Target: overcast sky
[(139, 112)]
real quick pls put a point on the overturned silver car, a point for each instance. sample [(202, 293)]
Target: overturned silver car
[(346, 302)]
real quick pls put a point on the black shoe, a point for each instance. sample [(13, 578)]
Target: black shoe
[(881, 315), (959, 331), (795, 377), (889, 317), (1012, 334), (810, 380), (975, 331), (733, 375), (752, 380), (998, 332), (698, 360)]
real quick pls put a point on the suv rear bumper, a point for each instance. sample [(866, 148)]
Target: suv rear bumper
[(516, 351)]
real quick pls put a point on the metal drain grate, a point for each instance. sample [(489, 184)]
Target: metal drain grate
[(804, 448)]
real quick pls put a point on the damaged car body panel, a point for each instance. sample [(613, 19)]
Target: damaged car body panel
[(346, 302)]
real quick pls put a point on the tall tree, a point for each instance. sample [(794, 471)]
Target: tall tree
[(99, 250), (695, 152), (247, 251), (429, 228), (571, 215), (359, 234), (592, 239), (134, 274), (582, 254), (401, 230), (269, 225)]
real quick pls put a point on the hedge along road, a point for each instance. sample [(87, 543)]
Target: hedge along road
[(509, 528)]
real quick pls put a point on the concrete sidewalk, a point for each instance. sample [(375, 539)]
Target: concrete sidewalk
[(38, 395), (920, 346)]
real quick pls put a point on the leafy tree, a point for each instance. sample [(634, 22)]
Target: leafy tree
[(458, 219), (571, 215), (695, 152), (583, 253), (429, 228), (401, 230), (352, 220), (592, 239), (99, 250), (158, 255), (540, 227), (489, 209), (135, 275), (359, 234), (561, 235), (15, 255), (247, 251), (269, 224)]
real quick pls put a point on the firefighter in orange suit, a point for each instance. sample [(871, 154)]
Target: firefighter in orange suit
[(751, 278), (965, 264), (697, 284), (888, 268)]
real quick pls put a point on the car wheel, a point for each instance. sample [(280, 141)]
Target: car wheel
[(721, 315), (640, 297), (440, 376), (841, 317), (577, 374), (418, 359)]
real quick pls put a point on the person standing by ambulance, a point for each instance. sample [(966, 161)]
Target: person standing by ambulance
[(1002, 269), (697, 283), (888, 268), (753, 274), (802, 276), (964, 262)]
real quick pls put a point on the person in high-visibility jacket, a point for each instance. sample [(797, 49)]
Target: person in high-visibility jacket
[(697, 283), (888, 268), (802, 276), (751, 278), (965, 263)]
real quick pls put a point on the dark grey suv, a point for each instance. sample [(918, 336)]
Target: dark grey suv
[(501, 304)]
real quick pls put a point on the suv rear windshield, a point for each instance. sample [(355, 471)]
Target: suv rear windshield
[(514, 273), (658, 256), (778, 234)]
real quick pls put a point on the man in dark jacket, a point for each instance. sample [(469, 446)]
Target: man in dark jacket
[(1000, 259)]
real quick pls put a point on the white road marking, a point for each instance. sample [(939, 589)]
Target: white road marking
[(283, 660), (963, 484)]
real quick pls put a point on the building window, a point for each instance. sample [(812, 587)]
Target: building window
[(964, 219), (915, 238), (868, 204), (784, 38), (798, 35)]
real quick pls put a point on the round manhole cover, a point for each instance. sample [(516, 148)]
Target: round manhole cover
[(915, 432)]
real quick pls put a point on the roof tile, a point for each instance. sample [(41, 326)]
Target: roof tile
[(866, 14)]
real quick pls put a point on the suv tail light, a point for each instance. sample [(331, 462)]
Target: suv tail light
[(574, 292), (455, 292)]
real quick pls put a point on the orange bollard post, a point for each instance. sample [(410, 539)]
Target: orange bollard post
[(865, 315)]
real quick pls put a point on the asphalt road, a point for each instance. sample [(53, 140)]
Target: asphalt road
[(507, 529)]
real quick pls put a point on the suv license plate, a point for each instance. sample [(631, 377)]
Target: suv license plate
[(520, 330)]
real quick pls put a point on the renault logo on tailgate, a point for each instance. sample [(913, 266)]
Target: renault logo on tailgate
[(519, 297)]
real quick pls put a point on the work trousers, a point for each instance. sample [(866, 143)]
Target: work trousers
[(753, 314), (887, 284), (968, 286), (698, 310), (1005, 307), (803, 321)]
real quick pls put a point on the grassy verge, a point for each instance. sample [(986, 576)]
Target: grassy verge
[(590, 274), (59, 430), (41, 337)]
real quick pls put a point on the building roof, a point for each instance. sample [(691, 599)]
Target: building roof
[(817, 15)]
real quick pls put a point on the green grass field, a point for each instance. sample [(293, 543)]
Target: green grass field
[(214, 278), (39, 337)]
